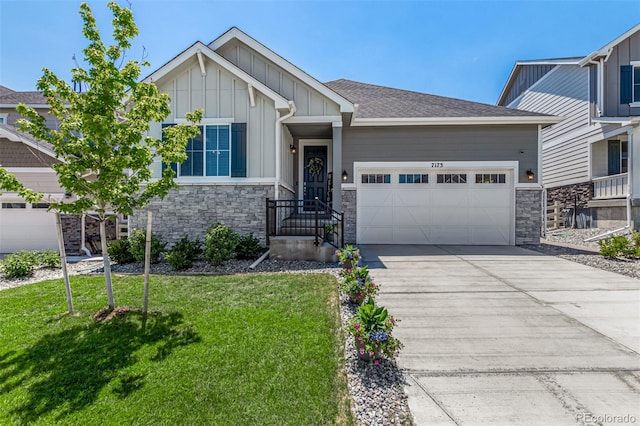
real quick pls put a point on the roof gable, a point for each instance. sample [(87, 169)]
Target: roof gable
[(404, 107), (606, 49), (11, 133), (199, 48), (235, 33)]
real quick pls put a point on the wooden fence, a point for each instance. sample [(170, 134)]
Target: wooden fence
[(555, 216)]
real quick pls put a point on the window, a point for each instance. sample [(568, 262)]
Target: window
[(40, 205), (452, 178), (490, 178), (630, 83), (14, 205), (208, 154), (618, 157), (219, 150), (413, 178), (375, 178)]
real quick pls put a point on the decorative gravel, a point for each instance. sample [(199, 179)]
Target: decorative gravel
[(44, 274), (569, 244), (377, 391)]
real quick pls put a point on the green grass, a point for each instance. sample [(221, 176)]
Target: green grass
[(241, 349)]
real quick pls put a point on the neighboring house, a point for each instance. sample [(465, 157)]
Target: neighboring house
[(30, 226), (409, 167), (591, 159)]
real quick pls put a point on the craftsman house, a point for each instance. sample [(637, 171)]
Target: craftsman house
[(403, 167)]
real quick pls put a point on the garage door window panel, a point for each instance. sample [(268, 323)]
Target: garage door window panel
[(491, 178), (376, 178), (14, 205), (452, 178), (413, 178)]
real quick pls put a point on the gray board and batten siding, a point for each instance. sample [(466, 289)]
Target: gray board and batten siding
[(622, 54), (442, 143), (527, 77), (308, 101)]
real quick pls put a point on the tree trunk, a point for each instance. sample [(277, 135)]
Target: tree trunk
[(147, 264), (63, 263), (107, 265)]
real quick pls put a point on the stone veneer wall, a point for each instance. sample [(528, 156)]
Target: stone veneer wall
[(191, 209), (528, 216), (567, 194), (349, 209), (71, 229)]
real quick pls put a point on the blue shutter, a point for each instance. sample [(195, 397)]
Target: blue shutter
[(614, 157), (626, 80), (239, 150), (174, 166)]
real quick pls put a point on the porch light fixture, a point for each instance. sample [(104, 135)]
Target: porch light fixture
[(293, 149), (530, 174), (345, 175)]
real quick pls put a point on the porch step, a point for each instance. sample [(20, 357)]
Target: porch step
[(300, 248)]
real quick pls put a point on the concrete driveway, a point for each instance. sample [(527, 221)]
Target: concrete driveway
[(504, 336)]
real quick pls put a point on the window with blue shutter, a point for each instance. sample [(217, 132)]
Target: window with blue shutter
[(239, 150), (213, 152), (636, 84)]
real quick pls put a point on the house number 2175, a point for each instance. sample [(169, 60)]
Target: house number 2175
[(437, 165)]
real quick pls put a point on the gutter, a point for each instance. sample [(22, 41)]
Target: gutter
[(292, 111)]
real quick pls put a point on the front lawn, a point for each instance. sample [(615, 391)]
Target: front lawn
[(240, 349)]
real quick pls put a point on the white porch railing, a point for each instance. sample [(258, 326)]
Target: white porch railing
[(615, 186)]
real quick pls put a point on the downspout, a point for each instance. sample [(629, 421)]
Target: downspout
[(292, 111)]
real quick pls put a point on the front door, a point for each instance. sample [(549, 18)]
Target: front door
[(315, 173)]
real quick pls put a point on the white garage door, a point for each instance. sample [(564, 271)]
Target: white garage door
[(435, 206), (26, 226)]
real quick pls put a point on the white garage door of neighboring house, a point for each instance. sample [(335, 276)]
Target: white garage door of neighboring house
[(471, 206), (26, 226)]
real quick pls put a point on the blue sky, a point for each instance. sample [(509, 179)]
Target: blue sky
[(461, 49)]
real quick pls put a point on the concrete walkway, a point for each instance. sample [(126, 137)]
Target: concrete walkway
[(505, 336)]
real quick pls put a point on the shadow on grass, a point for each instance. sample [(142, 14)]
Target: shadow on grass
[(66, 371)]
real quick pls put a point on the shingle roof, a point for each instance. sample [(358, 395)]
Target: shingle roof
[(26, 137), (5, 90), (13, 98), (385, 102)]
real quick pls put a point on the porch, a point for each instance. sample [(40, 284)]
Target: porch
[(303, 230), (608, 187)]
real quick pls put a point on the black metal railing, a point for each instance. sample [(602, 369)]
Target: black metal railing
[(305, 218)]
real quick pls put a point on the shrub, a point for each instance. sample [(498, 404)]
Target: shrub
[(19, 264), (120, 251), (219, 244), (619, 245), (48, 258), (248, 247), (137, 246), (183, 253)]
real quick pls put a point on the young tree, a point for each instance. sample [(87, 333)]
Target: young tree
[(103, 140)]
